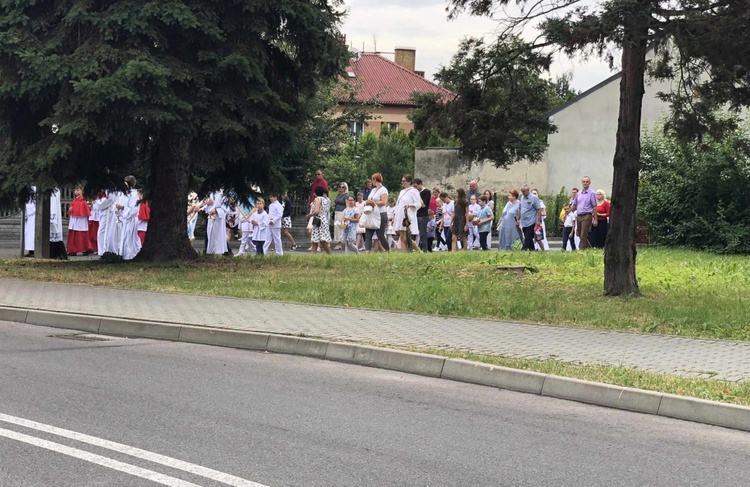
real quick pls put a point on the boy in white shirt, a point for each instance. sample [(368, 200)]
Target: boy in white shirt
[(568, 227), (449, 207), (244, 215), (474, 208), (275, 215), (259, 220)]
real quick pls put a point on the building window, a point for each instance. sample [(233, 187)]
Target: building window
[(392, 126), (356, 128)]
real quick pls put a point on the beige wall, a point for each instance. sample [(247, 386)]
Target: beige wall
[(445, 169), (583, 145), (383, 115)]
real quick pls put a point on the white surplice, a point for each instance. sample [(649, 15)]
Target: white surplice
[(55, 217), (108, 236), (130, 244), (216, 228)]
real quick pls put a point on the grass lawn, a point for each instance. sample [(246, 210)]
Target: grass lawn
[(686, 293)]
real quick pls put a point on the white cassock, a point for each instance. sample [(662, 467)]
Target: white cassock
[(216, 229), (29, 228), (275, 214), (55, 217), (130, 244), (107, 236)]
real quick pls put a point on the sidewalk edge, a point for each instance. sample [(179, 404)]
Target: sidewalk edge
[(595, 393)]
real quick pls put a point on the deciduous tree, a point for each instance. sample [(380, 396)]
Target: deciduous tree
[(702, 46)]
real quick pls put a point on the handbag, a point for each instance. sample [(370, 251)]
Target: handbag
[(316, 222), (371, 220)]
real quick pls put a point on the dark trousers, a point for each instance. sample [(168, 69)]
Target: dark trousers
[(422, 224), (259, 244), (430, 241), (448, 238), (483, 240), (528, 238), (598, 235), (380, 233), (568, 236)]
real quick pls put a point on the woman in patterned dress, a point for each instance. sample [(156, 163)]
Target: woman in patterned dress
[(321, 234)]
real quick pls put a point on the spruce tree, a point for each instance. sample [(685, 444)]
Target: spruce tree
[(193, 90)]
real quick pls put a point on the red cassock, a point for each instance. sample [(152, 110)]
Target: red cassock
[(144, 215), (78, 229)]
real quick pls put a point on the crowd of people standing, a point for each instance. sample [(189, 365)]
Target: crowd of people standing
[(426, 220)]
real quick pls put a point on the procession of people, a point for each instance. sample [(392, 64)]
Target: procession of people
[(418, 220)]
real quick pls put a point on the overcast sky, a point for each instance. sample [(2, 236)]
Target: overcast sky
[(423, 24)]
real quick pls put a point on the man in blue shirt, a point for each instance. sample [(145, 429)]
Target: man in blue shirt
[(529, 216)]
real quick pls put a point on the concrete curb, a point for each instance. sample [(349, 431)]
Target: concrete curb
[(647, 402)]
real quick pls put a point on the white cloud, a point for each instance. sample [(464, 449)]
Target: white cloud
[(423, 24)]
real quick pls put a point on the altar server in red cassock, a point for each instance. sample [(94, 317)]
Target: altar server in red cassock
[(144, 215), (78, 226)]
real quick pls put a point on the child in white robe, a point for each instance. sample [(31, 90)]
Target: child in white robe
[(29, 229), (259, 221), (246, 228), (107, 238), (473, 229)]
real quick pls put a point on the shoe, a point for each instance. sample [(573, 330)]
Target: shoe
[(293, 247), (30, 254), (72, 254)]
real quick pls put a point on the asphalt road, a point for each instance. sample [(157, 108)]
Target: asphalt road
[(260, 419)]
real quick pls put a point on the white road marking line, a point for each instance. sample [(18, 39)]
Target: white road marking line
[(134, 452), (98, 459)]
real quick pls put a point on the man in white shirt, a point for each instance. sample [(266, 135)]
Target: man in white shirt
[(275, 215)]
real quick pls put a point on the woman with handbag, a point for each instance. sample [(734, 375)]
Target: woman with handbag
[(320, 215), (405, 218), (378, 200)]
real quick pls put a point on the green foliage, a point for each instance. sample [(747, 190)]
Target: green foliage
[(391, 154), (499, 113), (697, 195), (225, 88)]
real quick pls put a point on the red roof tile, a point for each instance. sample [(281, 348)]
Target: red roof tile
[(389, 83)]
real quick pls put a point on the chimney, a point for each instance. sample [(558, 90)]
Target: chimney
[(406, 57)]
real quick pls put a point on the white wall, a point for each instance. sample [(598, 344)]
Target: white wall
[(585, 141)]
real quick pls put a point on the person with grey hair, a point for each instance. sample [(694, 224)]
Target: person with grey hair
[(529, 216), (473, 191)]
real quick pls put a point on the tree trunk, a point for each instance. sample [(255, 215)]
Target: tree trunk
[(167, 237), (620, 250)]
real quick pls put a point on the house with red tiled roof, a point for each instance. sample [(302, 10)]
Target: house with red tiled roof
[(390, 84)]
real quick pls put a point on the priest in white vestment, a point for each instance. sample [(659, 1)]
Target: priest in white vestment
[(216, 212), (130, 244), (29, 228)]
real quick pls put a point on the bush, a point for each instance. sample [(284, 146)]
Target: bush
[(697, 195)]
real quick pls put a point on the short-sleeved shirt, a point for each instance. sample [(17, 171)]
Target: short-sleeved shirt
[(431, 225), (585, 202), (484, 213), (448, 209), (530, 206), (376, 194)]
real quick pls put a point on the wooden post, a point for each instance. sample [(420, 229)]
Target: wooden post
[(41, 232)]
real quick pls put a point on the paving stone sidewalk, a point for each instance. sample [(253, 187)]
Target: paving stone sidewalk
[(657, 353)]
